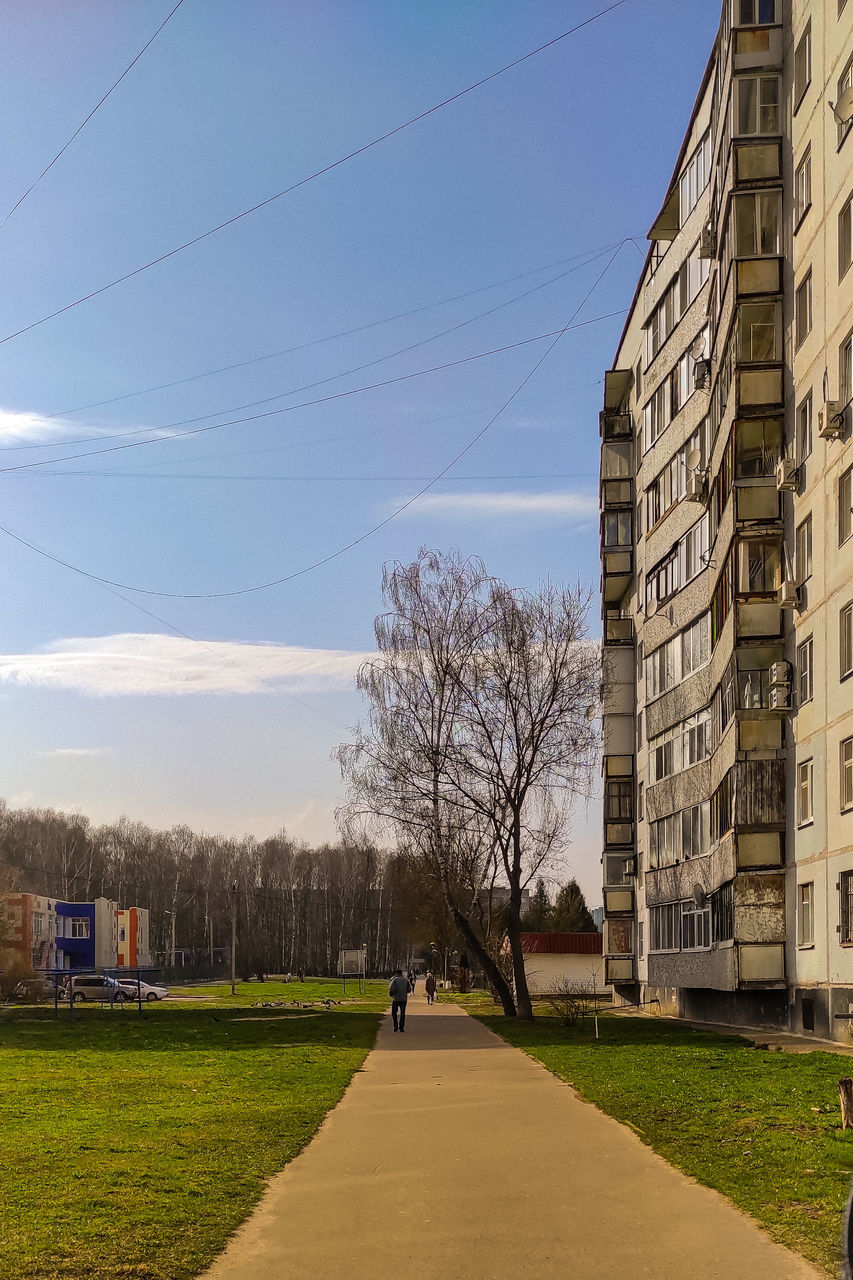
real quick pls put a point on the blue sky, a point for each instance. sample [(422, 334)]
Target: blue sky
[(489, 221)]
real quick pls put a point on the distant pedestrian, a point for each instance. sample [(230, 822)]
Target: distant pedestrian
[(430, 986), (412, 980), (398, 990), (301, 975)]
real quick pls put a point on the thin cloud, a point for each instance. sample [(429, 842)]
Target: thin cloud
[(145, 664), (29, 427), (556, 505), (75, 751)]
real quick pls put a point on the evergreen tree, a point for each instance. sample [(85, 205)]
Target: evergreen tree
[(536, 918), (570, 913)]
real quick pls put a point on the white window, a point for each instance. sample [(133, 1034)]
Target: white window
[(79, 927), (846, 789), (845, 372), (845, 506), (804, 551), (695, 177), (695, 645), (693, 550), (755, 13), (805, 915), (803, 310), (805, 774), (695, 927), (38, 924), (845, 884), (845, 639), (805, 671), (845, 238), (656, 415), (845, 82), (759, 332), (804, 429), (803, 187), (803, 65), (756, 109)]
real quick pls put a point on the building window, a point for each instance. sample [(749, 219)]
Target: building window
[(846, 790), (802, 66), (619, 801), (756, 13), (803, 187), (641, 939), (805, 774), (757, 219), (804, 429), (695, 928), (845, 503), (665, 927), (760, 566), (804, 551), (758, 445), (617, 529), (845, 884), (845, 81), (805, 915), (845, 238), (722, 913), (38, 924), (640, 801), (845, 645), (756, 105), (803, 310), (845, 374), (79, 927), (805, 671), (759, 332), (694, 179)]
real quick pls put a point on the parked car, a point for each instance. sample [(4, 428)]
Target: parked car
[(95, 987), (149, 990), (35, 990)]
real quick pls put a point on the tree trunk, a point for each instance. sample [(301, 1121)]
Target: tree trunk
[(845, 1092), (513, 932), (490, 968)]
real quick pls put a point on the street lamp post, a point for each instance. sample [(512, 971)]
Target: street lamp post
[(233, 937)]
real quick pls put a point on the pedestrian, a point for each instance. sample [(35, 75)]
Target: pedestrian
[(430, 986), (301, 975), (398, 990), (412, 981)]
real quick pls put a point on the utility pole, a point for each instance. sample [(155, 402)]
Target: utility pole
[(233, 937)]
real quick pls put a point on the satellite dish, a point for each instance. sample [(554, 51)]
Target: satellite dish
[(693, 459), (843, 108), (697, 346), (699, 895)]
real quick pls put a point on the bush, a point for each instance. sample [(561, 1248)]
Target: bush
[(571, 1000)]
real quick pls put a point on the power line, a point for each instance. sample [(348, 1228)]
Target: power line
[(319, 382), (317, 564), (590, 254), (97, 107), (338, 395), (318, 173), (153, 475)]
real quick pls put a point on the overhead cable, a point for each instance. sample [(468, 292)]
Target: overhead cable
[(368, 533), (318, 173), (97, 107)]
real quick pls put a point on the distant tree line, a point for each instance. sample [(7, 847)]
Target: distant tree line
[(295, 905), (568, 913)]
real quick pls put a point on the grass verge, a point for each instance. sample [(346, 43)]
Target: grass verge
[(133, 1146), (761, 1127)]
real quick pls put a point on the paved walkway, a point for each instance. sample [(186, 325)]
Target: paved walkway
[(455, 1157)]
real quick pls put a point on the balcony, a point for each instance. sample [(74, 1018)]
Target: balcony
[(617, 493), (615, 426), (619, 870), (618, 901), (618, 630), (617, 572)]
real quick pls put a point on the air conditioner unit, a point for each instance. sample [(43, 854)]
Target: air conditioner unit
[(701, 374), (780, 674), (787, 475), (630, 866), (707, 242), (789, 595), (780, 698), (694, 490), (830, 422)]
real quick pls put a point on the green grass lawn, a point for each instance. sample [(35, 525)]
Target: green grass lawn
[(762, 1127), (133, 1146)]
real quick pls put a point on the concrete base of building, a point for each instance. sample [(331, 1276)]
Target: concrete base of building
[(826, 1012)]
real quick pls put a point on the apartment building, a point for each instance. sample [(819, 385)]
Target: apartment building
[(727, 548)]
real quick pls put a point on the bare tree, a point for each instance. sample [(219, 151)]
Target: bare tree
[(479, 735)]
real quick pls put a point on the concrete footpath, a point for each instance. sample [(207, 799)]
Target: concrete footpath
[(453, 1156)]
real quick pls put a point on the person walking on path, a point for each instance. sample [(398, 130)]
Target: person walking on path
[(398, 990), (412, 980), (430, 986)]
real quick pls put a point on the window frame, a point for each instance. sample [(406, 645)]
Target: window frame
[(845, 237), (805, 914), (801, 87), (802, 178), (805, 671), (805, 792), (803, 310), (844, 506), (845, 779), (805, 428), (845, 641), (845, 908)]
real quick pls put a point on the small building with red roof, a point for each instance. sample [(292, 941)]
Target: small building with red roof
[(551, 958)]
